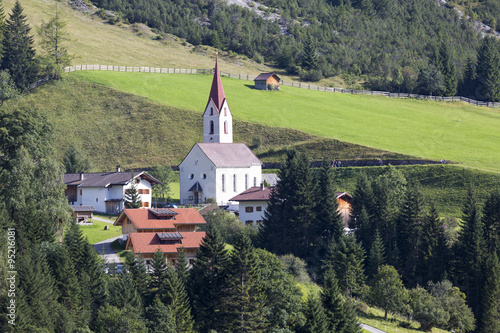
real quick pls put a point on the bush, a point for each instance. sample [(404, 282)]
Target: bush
[(296, 267), (312, 75)]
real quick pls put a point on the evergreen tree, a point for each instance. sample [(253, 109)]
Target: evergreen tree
[(409, 232), (434, 257), (430, 80), (158, 275), (132, 197), (177, 300), (328, 220), (469, 80), (182, 266), (332, 301), (471, 250), (490, 310), (245, 300), (158, 318), (120, 320), (376, 257), (362, 198), (138, 270), (310, 59), (208, 283), (316, 320), (8, 87), (488, 70), (350, 323), (52, 37), (491, 221), (123, 293), (449, 71), (162, 189), (347, 258), (18, 52)]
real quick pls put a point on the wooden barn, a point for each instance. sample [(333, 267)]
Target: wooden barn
[(267, 81)]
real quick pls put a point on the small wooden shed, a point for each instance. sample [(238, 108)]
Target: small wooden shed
[(267, 81), (83, 214)]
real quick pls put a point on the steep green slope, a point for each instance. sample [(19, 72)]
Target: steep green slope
[(454, 131), (116, 128)]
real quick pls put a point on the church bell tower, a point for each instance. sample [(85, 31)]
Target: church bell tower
[(217, 118)]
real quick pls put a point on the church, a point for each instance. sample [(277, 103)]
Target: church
[(217, 168)]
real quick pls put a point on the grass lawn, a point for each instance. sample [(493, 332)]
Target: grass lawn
[(457, 132), (96, 233), (119, 250)]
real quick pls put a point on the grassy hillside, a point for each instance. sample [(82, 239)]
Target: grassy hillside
[(116, 128), (456, 131), (96, 42)]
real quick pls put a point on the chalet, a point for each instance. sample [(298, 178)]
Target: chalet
[(106, 190), (267, 81), (217, 168), (167, 229)]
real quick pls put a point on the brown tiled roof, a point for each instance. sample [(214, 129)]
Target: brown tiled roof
[(104, 179), (217, 91), (265, 76), (254, 194), (229, 154), (144, 219), (149, 242)]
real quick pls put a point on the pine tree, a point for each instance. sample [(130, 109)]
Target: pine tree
[(468, 83), (158, 318), (332, 301), (75, 161), (245, 299), (328, 220), (449, 71), (208, 283), (182, 266), (177, 300), (376, 257), (433, 256), (123, 293), (488, 70), (316, 320), (52, 36), (132, 197), (471, 250), (158, 275), (137, 268), (409, 232), (18, 52), (491, 221), (490, 310), (350, 323), (362, 197), (310, 59)]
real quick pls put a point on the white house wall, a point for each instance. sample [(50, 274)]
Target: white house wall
[(254, 216)]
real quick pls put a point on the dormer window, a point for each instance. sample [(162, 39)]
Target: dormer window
[(170, 237)]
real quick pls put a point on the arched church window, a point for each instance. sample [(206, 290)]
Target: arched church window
[(211, 111), (234, 182), (246, 181), (211, 127), (225, 127), (225, 111), (223, 183), (254, 181)]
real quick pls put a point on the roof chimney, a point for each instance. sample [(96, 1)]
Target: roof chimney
[(81, 175), (118, 168), (262, 186)]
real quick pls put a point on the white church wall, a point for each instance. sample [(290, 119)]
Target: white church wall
[(226, 189), (196, 167)]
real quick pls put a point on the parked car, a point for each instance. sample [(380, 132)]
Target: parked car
[(170, 205)]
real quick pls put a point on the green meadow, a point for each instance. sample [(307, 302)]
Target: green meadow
[(457, 132)]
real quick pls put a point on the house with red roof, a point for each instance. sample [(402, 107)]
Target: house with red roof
[(217, 168), (252, 204), (167, 229)]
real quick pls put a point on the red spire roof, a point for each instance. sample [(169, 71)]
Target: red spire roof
[(217, 92)]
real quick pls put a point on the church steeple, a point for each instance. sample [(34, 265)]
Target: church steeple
[(217, 118), (217, 92)]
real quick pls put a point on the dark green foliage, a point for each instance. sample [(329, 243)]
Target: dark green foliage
[(297, 267), (182, 265), (332, 301), (245, 300), (316, 319), (120, 320), (310, 59), (162, 191), (448, 70), (471, 251), (388, 292), (361, 208), (490, 316), (376, 258), (491, 221), (132, 197), (18, 52), (431, 80), (123, 293), (350, 323), (137, 268), (435, 255), (288, 225), (208, 283), (75, 161), (427, 310), (176, 299), (347, 259), (228, 225), (158, 318), (488, 70), (329, 222), (158, 275), (409, 231)]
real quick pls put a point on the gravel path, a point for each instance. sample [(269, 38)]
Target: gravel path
[(106, 252)]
